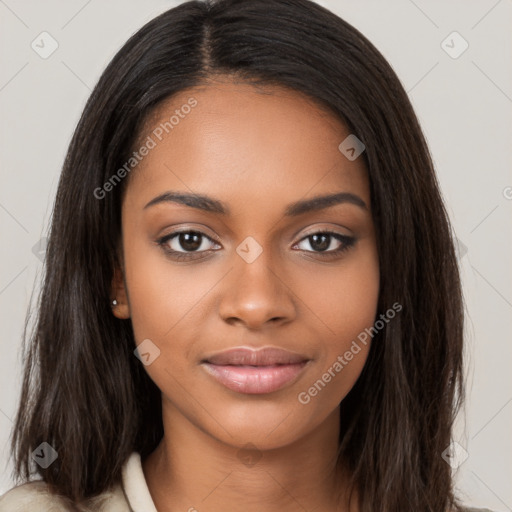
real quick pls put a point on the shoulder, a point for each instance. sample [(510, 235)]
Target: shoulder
[(35, 495), (23, 497), (468, 509)]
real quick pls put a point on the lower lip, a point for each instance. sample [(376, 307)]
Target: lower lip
[(255, 379)]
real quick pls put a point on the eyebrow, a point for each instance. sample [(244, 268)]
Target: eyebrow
[(209, 204)]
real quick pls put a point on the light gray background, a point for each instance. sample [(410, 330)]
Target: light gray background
[(464, 105)]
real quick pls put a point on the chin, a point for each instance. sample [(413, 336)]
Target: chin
[(267, 425)]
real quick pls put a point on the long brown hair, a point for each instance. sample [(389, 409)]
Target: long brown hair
[(83, 390)]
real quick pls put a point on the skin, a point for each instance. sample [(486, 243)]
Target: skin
[(257, 150)]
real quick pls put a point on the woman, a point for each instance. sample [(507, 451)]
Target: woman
[(251, 298)]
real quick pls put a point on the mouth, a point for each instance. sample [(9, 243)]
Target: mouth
[(255, 371)]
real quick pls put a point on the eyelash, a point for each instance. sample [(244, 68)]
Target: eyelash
[(347, 243)]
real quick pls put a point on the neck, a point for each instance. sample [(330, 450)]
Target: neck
[(190, 470)]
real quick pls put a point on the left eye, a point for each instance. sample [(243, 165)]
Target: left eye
[(323, 241)]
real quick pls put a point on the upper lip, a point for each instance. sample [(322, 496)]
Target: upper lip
[(267, 356)]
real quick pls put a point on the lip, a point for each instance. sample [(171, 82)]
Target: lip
[(252, 371)]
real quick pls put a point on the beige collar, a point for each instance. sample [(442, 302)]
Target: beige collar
[(135, 486)]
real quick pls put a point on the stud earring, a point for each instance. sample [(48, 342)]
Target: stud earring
[(114, 302)]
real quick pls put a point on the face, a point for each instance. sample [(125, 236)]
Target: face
[(254, 265)]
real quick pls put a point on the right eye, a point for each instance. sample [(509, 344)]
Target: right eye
[(190, 241)]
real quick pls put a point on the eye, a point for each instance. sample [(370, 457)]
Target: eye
[(328, 243), (190, 241), (191, 244)]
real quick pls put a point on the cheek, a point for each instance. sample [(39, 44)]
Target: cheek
[(159, 293), (344, 300)]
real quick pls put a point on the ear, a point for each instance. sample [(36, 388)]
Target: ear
[(120, 310)]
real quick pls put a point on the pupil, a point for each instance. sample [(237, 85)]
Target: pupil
[(190, 241), (323, 245)]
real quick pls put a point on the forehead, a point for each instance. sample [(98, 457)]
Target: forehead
[(244, 143)]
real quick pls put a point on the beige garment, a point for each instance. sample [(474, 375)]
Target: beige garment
[(132, 496)]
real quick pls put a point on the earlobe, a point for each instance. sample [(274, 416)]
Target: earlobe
[(120, 310), (119, 300)]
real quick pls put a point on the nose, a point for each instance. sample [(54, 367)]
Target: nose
[(254, 294)]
